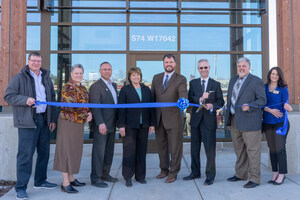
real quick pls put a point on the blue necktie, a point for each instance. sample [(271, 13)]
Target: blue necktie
[(165, 83)]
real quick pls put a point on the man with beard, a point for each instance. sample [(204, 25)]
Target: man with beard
[(169, 87)]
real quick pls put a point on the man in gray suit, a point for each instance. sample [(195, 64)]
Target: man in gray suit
[(246, 96), (169, 87), (103, 91)]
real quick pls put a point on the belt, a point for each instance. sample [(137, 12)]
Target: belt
[(40, 114)]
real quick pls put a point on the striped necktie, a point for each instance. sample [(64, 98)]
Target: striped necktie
[(235, 93), (166, 81)]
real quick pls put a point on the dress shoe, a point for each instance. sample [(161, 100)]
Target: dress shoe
[(143, 181), (170, 179), (250, 184), (68, 189), (128, 183), (99, 183), (271, 181), (190, 177), (109, 178), (276, 183), (77, 183), (208, 182), (161, 175), (45, 185), (234, 178)]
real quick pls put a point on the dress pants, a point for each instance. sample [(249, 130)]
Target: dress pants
[(169, 141), (208, 137), (276, 144), (29, 140), (102, 154), (247, 147), (134, 153)]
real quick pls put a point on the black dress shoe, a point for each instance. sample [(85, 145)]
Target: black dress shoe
[(271, 181), (109, 178), (77, 183), (143, 181), (99, 183), (250, 184), (128, 183), (190, 177), (208, 182), (68, 189), (234, 178), (276, 183)]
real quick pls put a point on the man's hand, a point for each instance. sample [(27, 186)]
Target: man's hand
[(52, 127), (245, 107), (151, 129), (30, 101), (208, 106), (122, 131), (204, 96), (102, 129)]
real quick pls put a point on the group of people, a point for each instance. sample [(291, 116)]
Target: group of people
[(246, 100)]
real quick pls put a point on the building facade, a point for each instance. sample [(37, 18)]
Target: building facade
[(129, 33)]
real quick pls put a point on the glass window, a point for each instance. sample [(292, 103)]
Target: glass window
[(149, 69), (98, 38), (33, 17), (32, 3), (205, 39), (93, 3), (204, 4), (153, 18), (94, 16), (33, 38), (153, 38), (153, 4), (252, 39), (256, 64), (91, 64)]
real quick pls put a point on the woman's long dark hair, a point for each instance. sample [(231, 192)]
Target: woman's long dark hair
[(281, 82)]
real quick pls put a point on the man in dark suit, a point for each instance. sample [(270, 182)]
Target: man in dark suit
[(169, 87), (103, 91), (246, 96), (205, 91)]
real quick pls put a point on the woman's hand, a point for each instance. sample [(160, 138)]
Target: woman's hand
[(89, 117), (276, 113), (122, 131), (151, 129), (288, 107)]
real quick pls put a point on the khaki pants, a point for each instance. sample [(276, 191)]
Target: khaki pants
[(247, 147)]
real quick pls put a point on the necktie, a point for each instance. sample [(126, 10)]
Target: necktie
[(203, 86), (165, 83), (235, 94)]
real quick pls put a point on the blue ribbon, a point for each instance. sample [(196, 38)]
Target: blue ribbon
[(283, 130)]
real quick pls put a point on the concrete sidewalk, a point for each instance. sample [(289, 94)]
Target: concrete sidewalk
[(180, 190)]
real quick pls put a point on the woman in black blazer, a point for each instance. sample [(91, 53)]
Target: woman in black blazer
[(134, 125)]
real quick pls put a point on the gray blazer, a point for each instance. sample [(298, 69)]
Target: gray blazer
[(253, 93), (100, 93)]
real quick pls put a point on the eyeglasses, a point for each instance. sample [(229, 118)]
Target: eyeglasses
[(203, 67), (36, 61), (105, 69)]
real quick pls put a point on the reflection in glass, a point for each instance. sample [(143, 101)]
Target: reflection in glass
[(93, 16), (149, 69), (256, 64), (153, 18), (205, 39), (98, 37), (146, 38), (32, 3), (33, 38), (33, 17), (153, 4)]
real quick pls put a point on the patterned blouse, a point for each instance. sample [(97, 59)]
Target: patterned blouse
[(73, 93)]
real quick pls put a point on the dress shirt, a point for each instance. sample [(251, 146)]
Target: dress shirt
[(112, 89), (170, 75), (39, 91)]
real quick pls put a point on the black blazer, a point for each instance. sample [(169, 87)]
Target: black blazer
[(215, 98), (130, 117)]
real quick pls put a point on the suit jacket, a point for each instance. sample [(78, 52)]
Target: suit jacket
[(100, 93), (130, 117), (215, 98), (175, 89), (253, 93)]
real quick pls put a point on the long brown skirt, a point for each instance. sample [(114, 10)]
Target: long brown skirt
[(69, 144)]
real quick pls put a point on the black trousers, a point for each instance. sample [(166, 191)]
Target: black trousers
[(276, 144), (208, 137), (29, 140), (134, 153), (102, 154)]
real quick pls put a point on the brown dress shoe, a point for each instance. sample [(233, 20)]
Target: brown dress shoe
[(161, 175), (170, 179)]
